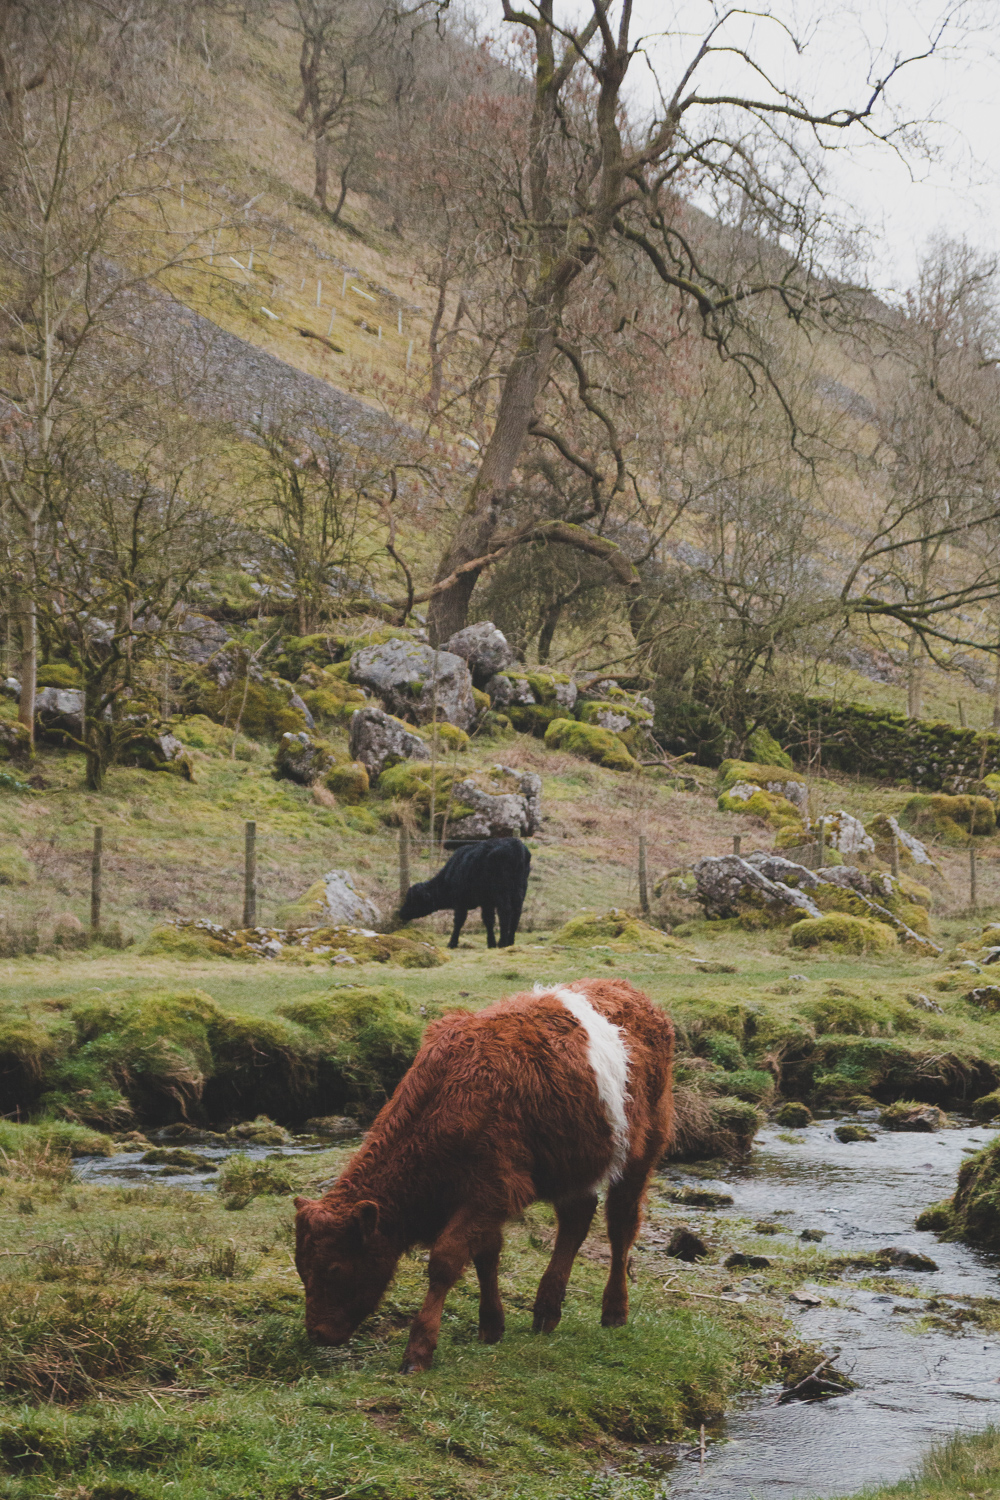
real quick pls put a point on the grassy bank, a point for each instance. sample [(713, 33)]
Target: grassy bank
[(964, 1466), (152, 1345)]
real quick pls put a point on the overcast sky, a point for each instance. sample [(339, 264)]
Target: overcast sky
[(956, 93)]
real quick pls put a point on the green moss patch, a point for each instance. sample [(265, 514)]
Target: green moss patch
[(775, 810), (350, 783), (950, 820), (765, 750), (615, 929), (844, 932), (591, 742)]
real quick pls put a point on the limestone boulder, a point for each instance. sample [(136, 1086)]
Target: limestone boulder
[(416, 682), (60, 711), (302, 759), (378, 740), (511, 808), (332, 901), (485, 648)]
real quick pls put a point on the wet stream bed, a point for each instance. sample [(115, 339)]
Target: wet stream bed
[(915, 1382)]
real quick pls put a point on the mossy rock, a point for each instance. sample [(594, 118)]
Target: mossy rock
[(745, 797), (975, 1208), (795, 836), (844, 932), (544, 684), (615, 929), (383, 948), (988, 938), (265, 714), (329, 697), (534, 718), (300, 651), (496, 725), (986, 1107), (847, 1134), (449, 737), (765, 750), (58, 674), (951, 820), (350, 783), (598, 745), (938, 1218), (412, 780), (912, 1115), (303, 758), (589, 711), (481, 700), (835, 898), (794, 1115), (184, 943), (732, 771), (991, 786)]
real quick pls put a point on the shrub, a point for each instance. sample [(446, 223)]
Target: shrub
[(950, 819), (847, 933), (240, 1180), (60, 1347), (350, 783), (598, 745)]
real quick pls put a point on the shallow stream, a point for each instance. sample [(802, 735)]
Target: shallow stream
[(915, 1384)]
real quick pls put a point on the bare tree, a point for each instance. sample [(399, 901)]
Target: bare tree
[(590, 178), (336, 58)]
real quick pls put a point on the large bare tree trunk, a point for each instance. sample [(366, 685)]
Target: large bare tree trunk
[(449, 611)]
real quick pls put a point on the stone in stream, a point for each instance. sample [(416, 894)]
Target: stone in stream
[(686, 1245), (333, 1126), (178, 1156), (700, 1197), (813, 1236), (189, 1135), (848, 1133), (767, 1226), (794, 1114), (259, 1132), (906, 1115), (906, 1260)]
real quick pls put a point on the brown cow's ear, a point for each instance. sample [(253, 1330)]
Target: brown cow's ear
[(300, 1203), (366, 1218)]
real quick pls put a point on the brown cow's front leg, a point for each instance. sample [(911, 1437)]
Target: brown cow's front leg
[(491, 1318), (624, 1215), (450, 1254), (575, 1217)]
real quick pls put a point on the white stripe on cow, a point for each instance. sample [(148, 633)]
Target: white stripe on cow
[(609, 1060)]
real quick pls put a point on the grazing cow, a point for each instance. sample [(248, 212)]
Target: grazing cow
[(541, 1096), (492, 875)]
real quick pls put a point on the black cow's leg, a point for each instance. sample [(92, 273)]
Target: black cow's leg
[(491, 941), (509, 914), (461, 912)]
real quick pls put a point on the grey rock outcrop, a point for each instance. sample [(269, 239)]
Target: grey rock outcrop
[(727, 883), (485, 648), (60, 709), (503, 813), (378, 740), (505, 691), (343, 904), (302, 759), (16, 741), (414, 681)]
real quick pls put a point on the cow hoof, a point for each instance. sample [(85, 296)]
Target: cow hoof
[(545, 1323), (413, 1366), (491, 1335), (614, 1320)]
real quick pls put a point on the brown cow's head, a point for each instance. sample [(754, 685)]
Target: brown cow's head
[(345, 1264)]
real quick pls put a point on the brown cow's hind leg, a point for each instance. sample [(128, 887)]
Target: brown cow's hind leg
[(491, 1318), (575, 1217), (459, 1242)]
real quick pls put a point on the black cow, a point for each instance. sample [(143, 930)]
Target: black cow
[(492, 875)]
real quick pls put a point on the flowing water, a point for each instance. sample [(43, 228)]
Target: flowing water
[(915, 1384), (128, 1166)]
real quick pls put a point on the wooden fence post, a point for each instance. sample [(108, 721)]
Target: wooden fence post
[(404, 862), (972, 878), (737, 844), (95, 881), (250, 876), (894, 854), (643, 889)]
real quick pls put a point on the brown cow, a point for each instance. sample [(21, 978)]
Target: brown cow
[(547, 1096)]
